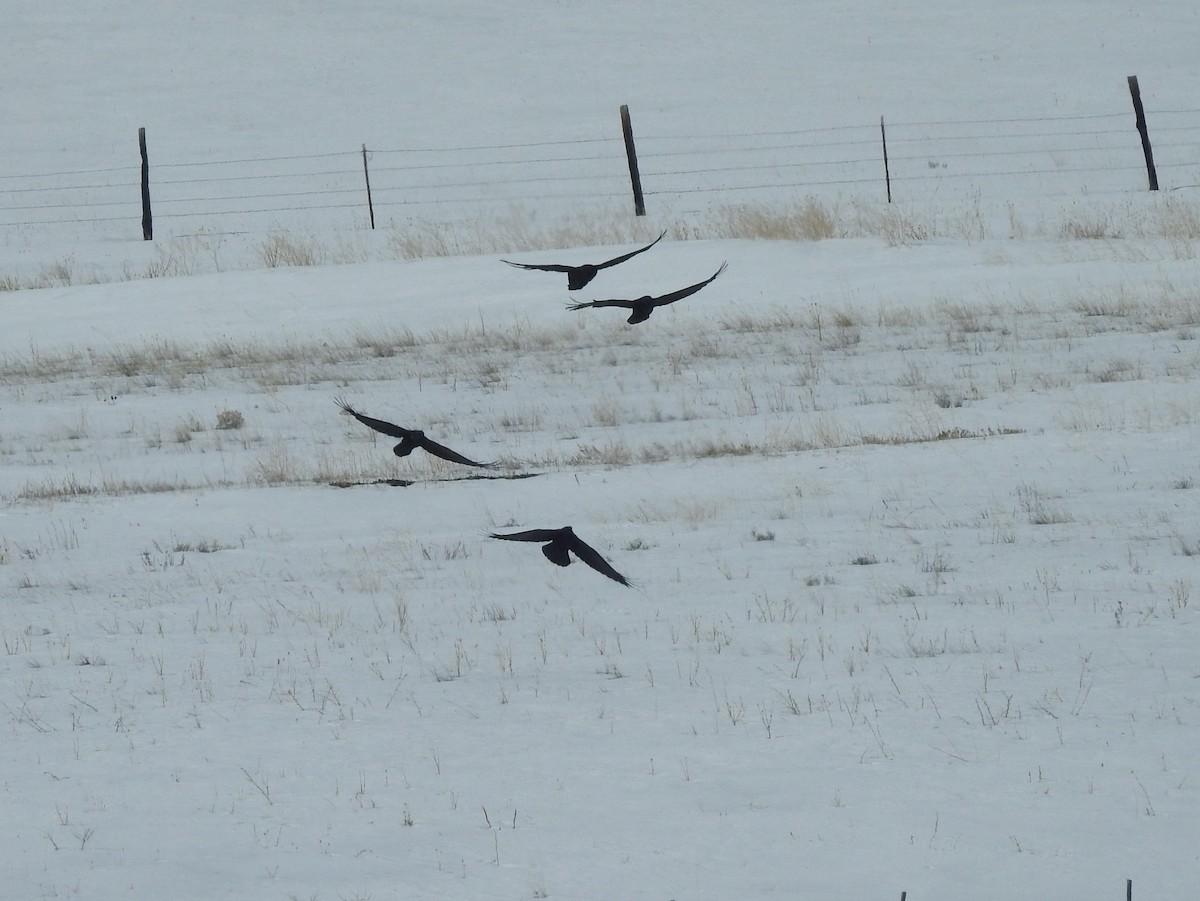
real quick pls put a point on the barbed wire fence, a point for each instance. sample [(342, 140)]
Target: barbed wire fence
[(1093, 155)]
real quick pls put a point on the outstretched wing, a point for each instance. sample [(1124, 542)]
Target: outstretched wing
[(544, 267), (627, 304), (440, 450), (387, 428), (688, 291), (633, 253), (592, 558), (559, 267), (528, 535)]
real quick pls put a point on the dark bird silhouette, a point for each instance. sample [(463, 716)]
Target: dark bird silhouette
[(578, 276), (410, 439), (560, 543), (644, 306)]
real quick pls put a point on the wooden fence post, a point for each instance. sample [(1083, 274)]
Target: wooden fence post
[(1140, 119), (367, 176), (639, 202), (887, 175), (147, 219)]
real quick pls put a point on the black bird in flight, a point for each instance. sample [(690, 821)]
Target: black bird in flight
[(559, 543), (644, 306), (410, 439), (578, 276)]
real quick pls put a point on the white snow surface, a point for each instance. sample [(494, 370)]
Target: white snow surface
[(913, 529)]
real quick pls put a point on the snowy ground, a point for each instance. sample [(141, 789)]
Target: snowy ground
[(913, 528), (915, 585)]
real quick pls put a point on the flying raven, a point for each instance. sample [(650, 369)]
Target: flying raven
[(410, 439), (578, 276), (558, 542), (644, 306)]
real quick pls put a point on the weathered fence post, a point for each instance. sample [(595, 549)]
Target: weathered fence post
[(1140, 118), (367, 176), (639, 202), (147, 219), (887, 175)]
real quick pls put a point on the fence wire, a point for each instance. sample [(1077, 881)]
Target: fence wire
[(1044, 156)]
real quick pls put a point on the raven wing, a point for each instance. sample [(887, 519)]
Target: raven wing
[(633, 253), (529, 535), (627, 304), (688, 291), (592, 558), (440, 450), (379, 425), (544, 267)]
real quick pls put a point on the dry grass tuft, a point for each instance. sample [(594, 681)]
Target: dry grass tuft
[(230, 419), (283, 249), (809, 220), (517, 232), (1094, 226)]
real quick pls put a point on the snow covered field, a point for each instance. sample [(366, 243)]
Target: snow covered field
[(913, 526)]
